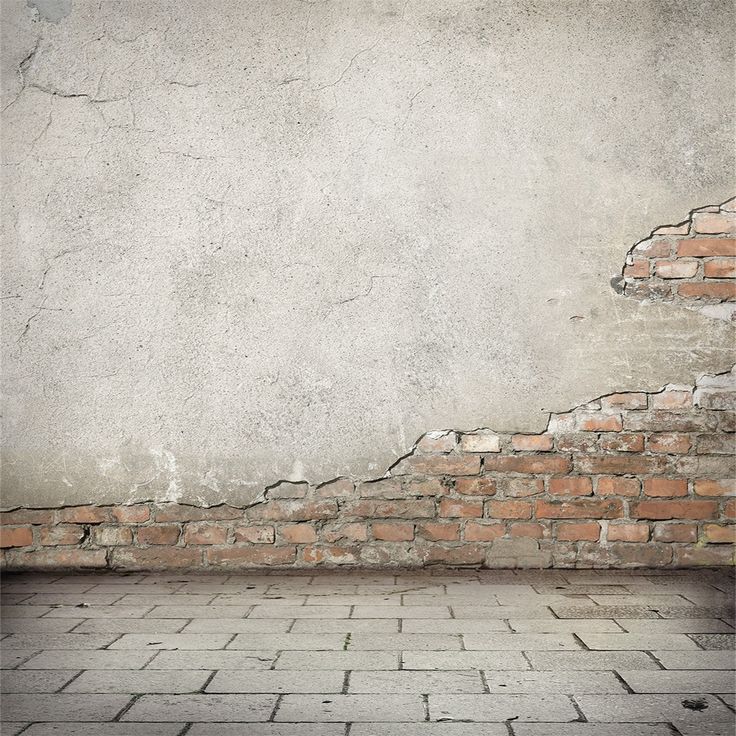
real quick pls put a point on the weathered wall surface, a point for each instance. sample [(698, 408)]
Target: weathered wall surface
[(246, 242)]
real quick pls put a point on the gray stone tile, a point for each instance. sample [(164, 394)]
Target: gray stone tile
[(498, 708), (704, 729), (277, 681), (530, 683), (355, 708), (680, 681), (139, 681), (724, 612), (403, 642), (62, 707), (650, 601), (519, 642), (269, 729), (34, 681), (302, 612), (674, 625), (59, 641), (501, 612), (24, 611), (654, 708), (99, 612), (714, 641), (211, 660), (563, 625), (173, 641), (428, 729), (199, 612), (699, 660), (452, 626), (72, 599), (345, 625), (102, 659), (592, 729), (591, 661), (129, 625), (409, 682), (13, 729), (308, 642), (729, 698), (401, 612), (604, 612), (209, 708), (38, 625), (236, 626), (149, 600), (464, 661), (105, 729), (338, 661), (631, 642)]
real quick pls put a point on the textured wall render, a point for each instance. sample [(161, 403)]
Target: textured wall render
[(253, 241)]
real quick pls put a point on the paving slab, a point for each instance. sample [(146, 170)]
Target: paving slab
[(62, 707), (500, 708), (277, 681), (104, 729), (715, 641), (104, 659), (712, 660), (210, 708), (338, 661), (268, 729), (637, 641), (211, 660), (591, 661), (674, 626), (680, 681), (592, 729), (478, 660), (409, 682), (174, 641), (519, 642), (139, 681), (354, 708), (428, 729), (561, 682), (35, 681), (304, 642), (686, 707)]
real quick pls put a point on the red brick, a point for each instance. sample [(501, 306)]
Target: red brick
[(705, 247), (579, 442), (572, 486), (620, 464), (155, 558), (296, 510), (729, 509), (622, 442), (628, 532), (720, 268), (287, 489), (480, 442), (679, 269), (61, 534), (708, 555), (522, 487), (715, 487), (385, 488), (669, 443), (509, 510), (600, 422), (331, 555), (426, 487), (438, 465), (629, 400), (254, 534), (572, 532), (675, 533), (528, 464), (466, 554), (27, 516), (665, 487), (58, 559), (671, 399), (440, 443), (450, 507), (580, 509), (164, 534), (421, 509), (131, 514), (673, 510), (530, 529), (353, 532), (720, 534), (637, 269), (716, 444), (437, 532), (338, 488), (85, 514), (299, 533), (234, 557), (616, 486), (393, 532), (724, 290), (112, 536), (19, 536), (656, 247), (714, 223), (205, 533), (476, 486), (180, 512), (476, 532), (532, 442)]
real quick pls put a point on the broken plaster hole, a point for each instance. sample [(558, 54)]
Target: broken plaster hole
[(51, 10)]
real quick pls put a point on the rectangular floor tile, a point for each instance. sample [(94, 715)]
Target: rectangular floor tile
[(564, 625), (338, 661), (630, 642), (308, 642), (566, 683), (592, 729), (236, 626), (695, 660), (479, 660), (344, 625), (402, 642), (591, 661), (428, 729), (105, 729), (103, 659), (173, 641), (210, 708), (35, 681), (355, 708), (674, 626), (269, 729), (62, 707), (410, 682), (498, 708), (130, 625), (277, 681), (59, 641), (519, 642), (139, 681), (680, 681), (38, 625), (132, 612), (300, 612), (401, 612), (452, 626), (645, 708), (211, 660)]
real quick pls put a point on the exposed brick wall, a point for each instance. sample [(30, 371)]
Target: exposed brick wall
[(693, 262), (626, 480), (631, 479)]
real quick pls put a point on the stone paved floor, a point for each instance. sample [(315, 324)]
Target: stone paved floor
[(525, 653)]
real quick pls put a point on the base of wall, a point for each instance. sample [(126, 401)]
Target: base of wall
[(628, 480)]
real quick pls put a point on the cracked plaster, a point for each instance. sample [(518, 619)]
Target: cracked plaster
[(246, 242)]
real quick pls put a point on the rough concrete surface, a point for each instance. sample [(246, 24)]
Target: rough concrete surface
[(246, 241)]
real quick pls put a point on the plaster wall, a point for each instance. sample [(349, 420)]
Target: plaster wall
[(253, 241)]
